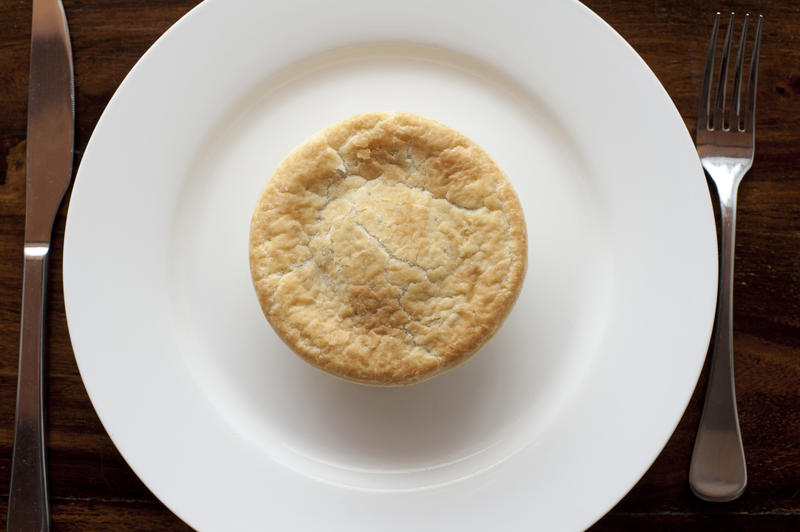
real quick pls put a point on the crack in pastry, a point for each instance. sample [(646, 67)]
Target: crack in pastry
[(387, 249)]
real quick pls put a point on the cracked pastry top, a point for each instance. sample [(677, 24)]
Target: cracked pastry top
[(387, 248)]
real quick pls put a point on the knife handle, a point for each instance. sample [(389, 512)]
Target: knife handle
[(28, 508)]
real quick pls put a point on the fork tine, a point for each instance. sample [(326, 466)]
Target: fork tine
[(750, 112), (734, 121), (719, 101), (705, 90)]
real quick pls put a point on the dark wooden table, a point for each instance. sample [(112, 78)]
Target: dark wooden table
[(92, 488)]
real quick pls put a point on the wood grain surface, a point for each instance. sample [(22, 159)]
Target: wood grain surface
[(92, 488)]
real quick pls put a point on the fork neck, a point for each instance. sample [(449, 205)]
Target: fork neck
[(727, 199), (727, 247), (726, 175), (727, 190)]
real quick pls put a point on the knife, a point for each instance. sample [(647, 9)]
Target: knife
[(51, 131)]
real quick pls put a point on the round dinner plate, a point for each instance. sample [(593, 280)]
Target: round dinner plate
[(547, 427)]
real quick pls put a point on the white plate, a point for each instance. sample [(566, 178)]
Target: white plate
[(547, 428)]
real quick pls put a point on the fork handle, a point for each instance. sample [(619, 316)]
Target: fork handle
[(718, 472), (28, 509)]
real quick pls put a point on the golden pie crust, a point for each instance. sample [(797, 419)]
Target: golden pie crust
[(387, 248)]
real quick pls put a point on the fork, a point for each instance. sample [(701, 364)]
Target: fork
[(725, 143)]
